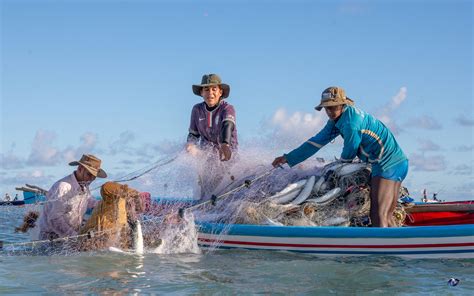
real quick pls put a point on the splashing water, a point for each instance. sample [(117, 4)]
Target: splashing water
[(178, 180), (179, 237)]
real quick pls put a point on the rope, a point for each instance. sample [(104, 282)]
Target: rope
[(89, 235), (214, 198), (156, 165)]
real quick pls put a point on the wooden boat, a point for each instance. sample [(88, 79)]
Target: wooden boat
[(445, 213), (440, 241), (452, 241)]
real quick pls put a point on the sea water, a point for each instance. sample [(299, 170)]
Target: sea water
[(221, 272)]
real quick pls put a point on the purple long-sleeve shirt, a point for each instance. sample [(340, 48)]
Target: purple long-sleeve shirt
[(206, 126)]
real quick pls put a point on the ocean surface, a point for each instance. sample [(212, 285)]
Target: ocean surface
[(221, 272)]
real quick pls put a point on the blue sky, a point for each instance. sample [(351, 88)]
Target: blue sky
[(114, 78)]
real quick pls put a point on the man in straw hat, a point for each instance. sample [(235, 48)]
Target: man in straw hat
[(212, 130), (365, 137), (68, 199)]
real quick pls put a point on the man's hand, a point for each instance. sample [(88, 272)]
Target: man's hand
[(192, 149), (225, 152), (279, 161)]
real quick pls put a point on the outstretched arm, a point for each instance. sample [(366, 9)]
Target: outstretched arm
[(311, 146)]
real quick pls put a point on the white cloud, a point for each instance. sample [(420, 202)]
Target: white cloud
[(385, 114), (42, 151), (463, 169), (354, 8), (10, 161), (164, 147), (398, 99), (420, 162), (424, 122), (88, 142), (464, 148), (35, 177), (428, 145), (293, 129), (464, 120), (465, 190), (122, 144)]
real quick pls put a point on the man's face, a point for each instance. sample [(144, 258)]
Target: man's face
[(83, 175), (211, 95), (334, 112)]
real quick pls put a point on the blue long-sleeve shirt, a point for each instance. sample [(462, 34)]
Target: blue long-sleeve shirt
[(364, 136)]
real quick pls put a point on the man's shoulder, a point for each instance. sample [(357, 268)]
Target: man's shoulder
[(352, 115), (198, 106), (227, 107), (65, 183)]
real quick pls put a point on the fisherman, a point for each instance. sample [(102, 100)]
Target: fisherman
[(16, 197), (7, 197), (366, 137), (212, 132), (69, 198)]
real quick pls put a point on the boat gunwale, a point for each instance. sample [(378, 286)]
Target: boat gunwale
[(466, 230)]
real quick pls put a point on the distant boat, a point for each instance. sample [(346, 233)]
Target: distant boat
[(31, 195)]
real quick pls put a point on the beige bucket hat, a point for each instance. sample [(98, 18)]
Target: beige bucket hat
[(209, 80), (92, 164), (333, 96)]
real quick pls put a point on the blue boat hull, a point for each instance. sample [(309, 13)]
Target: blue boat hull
[(455, 241)]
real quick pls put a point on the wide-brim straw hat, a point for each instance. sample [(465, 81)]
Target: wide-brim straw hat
[(333, 96), (210, 80), (91, 164)]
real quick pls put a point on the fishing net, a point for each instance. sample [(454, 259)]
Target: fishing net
[(340, 197), (245, 194)]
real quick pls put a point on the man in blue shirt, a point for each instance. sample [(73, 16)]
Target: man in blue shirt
[(365, 137)]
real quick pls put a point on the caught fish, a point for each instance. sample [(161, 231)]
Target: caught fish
[(305, 193), (286, 198), (350, 168), (288, 189), (326, 198), (288, 193), (268, 221), (332, 167), (137, 242), (317, 185), (335, 221)]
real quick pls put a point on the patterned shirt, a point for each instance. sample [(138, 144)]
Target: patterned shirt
[(206, 126)]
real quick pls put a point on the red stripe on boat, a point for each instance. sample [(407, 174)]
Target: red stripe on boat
[(336, 246)]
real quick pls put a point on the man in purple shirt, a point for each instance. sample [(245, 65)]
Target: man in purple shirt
[(212, 129)]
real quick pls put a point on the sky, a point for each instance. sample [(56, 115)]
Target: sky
[(113, 78)]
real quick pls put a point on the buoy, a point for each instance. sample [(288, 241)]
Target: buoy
[(453, 282)]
